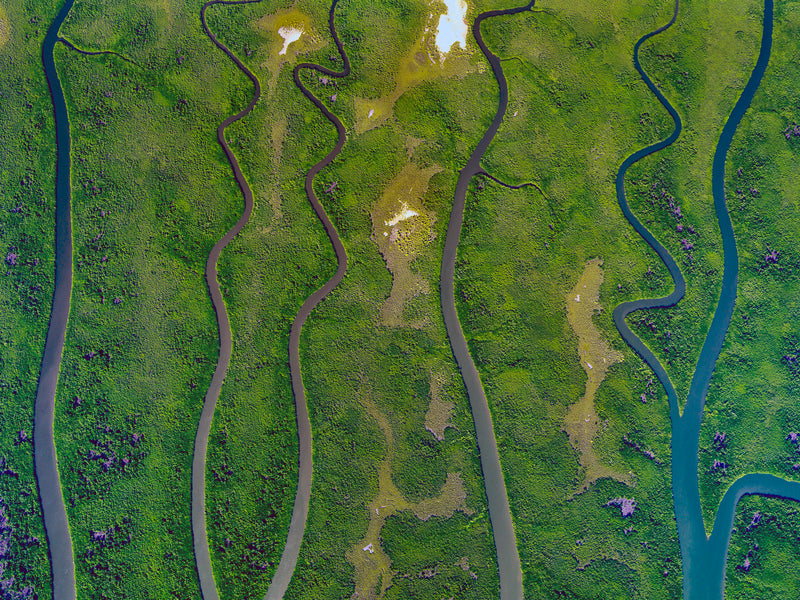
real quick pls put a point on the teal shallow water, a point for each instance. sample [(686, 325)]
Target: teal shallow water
[(703, 557)]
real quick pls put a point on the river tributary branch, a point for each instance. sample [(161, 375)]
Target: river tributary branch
[(623, 310), (72, 46), (509, 567), (291, 550), (510, 185), (205, 572), (703, 556)]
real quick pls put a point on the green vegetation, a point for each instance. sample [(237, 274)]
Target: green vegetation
[(725, 54), (763, 550), (393, 432), (350, 350), (753, 396), (152, 192), (572, 150), (523, 252), (27, 159), (141, 340)]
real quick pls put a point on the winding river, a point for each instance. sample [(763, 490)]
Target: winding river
[(72, 46), (59, 542), (208, 587), (286, 567), (704, 557), (510, 569)]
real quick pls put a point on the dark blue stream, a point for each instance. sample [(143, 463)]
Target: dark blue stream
[(704, 557), (44, 450)]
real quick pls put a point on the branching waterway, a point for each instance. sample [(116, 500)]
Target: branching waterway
[(59, 542), (201, 552), (291, 550), (510, 569), (703, 557)]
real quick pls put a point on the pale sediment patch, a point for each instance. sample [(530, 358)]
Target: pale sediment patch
[(372, 565), (405, 213), (271, 193), (452, 498), (424, 61), (411, 145), (278, 135), (289, 35), (582, 423), (5, 27), (452, 28), (286, 33), (402, 228), (437, 419)]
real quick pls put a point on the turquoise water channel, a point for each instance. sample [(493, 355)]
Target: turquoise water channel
[(704, 557)]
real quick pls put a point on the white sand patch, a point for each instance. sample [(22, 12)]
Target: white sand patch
[(289, 35), (452, 28), (404, 214)]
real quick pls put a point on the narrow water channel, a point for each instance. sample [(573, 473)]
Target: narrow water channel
[(59, 542), (703, 557), (505, 541), (208, 588), (291, 551)]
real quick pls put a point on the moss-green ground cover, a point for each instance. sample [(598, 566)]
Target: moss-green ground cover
[(701, 65), (753, 396), (27, 160), (152, 192), (575, 111)]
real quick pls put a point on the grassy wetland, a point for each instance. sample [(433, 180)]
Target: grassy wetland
[(27, 176), (398, 507)]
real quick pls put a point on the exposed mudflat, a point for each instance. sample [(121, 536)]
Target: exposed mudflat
[(373, 567), (5, 27), (452, 28), (402, 228), (582, 423), (289, 35)]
